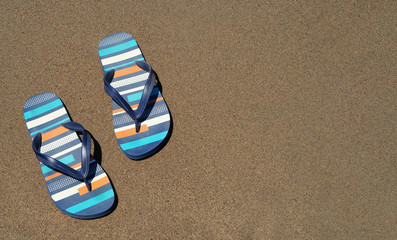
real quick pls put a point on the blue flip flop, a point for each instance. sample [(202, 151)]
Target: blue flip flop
[(141, 118), (77, 184)]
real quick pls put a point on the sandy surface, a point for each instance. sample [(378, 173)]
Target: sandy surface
[(284, 115)]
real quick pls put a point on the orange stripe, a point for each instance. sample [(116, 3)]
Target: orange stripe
[(131, 131), (126, 71), (53, 133), (94, 185), (59, 174), (136, 105), (53, 176)]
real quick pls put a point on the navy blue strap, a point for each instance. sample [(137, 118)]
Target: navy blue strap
[(147, 90), (63, 168)]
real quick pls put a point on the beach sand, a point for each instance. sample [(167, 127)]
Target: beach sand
[(284, 118)]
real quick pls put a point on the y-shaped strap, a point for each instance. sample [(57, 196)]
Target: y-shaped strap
[(147, 90), (63, 168)]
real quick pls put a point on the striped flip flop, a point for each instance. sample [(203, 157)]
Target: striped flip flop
[(141, 118), (77, 184)]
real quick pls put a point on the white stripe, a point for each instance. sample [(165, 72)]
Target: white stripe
[(66, 151), (131, 80), (73, 190), (46, 118), (121, 57), (132, 90), (58, 143), (149, 123)]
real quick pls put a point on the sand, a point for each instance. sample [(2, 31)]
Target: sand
[(284, 118)]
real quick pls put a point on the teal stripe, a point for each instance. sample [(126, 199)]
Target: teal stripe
[(134, 97), (117, 48), (45, 108), (137, 96), (66, 160), (144, 141), (122, 65), (53, 125), (91, 202)]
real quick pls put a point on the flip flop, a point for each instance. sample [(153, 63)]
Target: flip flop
[(77, 184), (141, 118)]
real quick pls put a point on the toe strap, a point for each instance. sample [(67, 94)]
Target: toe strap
[(147, 90), (61, 167)]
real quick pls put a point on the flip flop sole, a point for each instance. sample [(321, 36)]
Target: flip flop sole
[(44, 113), (120, 51)]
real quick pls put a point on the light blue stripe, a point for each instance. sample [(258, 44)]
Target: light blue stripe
[(117, 48), (91, 202), (137, 96), (53, 125), (144, 141), (45, 108), (125, 64), (134, 97), (66, 160)]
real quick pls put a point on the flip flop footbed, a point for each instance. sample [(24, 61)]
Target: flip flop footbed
[(44, 113), (120, 52)]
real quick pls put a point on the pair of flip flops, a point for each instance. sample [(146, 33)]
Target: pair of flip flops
[(77, 184)]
